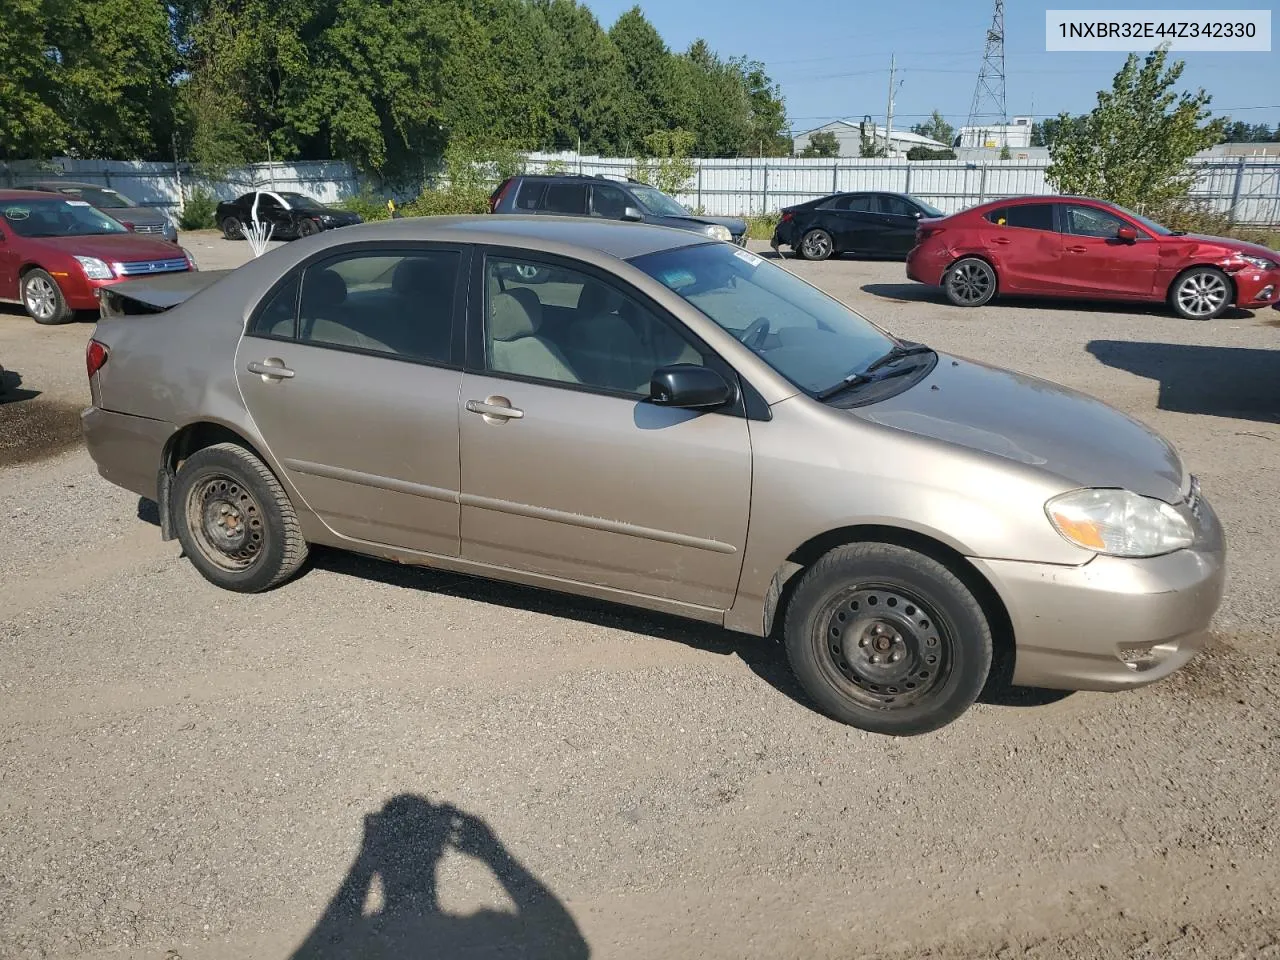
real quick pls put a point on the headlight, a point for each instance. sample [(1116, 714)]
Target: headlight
[(95, 269), (1262, 263), (717, 232), (1119, 523), (190, 259)]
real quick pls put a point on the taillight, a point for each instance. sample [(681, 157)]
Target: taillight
[(787, 215), (498, 194), (95, 357), (924, 233)]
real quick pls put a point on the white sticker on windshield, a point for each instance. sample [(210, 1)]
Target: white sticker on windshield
[(77, 203), (750, 258)]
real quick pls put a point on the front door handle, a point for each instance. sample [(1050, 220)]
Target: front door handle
[(1077, 249), (495, 409), (272, 368), (1002, 240)]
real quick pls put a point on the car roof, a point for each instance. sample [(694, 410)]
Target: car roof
[(19, 194), (550, 234), (77, 184)]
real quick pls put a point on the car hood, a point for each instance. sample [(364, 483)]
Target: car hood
[(112, 246), (1035, 422), (341, 216), (136, 215), (1252, 249), (737, 226)]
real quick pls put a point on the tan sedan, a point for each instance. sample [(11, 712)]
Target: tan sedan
[(644, 416)]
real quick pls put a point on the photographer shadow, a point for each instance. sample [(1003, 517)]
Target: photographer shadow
[(402, 848)]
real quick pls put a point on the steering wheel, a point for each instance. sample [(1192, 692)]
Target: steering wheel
[(755, 333)]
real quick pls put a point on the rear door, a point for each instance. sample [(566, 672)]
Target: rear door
[(565, 198), (8, 263), (898, 220), (1026, 248), (1096, 261), (851, 219), (351, 370)]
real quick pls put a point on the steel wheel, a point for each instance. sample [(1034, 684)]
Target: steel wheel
[(970, 283), (1201, 294), (816, 245), (232, 229), (884, 647), (225, 521), (41, 299)]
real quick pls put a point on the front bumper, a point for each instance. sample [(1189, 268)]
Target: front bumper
[(1113, 623), (1257, 288)]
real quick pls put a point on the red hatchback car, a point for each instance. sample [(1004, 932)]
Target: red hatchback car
[(56, 252), (1088, 249)]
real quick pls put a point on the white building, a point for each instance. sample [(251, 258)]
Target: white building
[(995, 136), (849, 133)]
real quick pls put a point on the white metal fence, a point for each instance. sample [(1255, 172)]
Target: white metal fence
[(1247, 189)]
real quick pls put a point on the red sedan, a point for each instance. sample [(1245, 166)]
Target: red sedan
[(1087, 249), (56, 252)]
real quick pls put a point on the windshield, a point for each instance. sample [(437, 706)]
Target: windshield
[(300, 202), (929, 209), (57, 218), (1151, 225), (104, 198), (657, 202), (808, 337)]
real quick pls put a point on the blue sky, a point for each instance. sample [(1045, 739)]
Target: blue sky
[(832, 56)]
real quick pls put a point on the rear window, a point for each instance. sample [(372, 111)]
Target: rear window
[(530, 194), (1029, 216), (566, 198)]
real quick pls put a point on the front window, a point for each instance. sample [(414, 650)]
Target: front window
[(929, 209), (57, 218), (810, 338), (1158, 229), (300, 201), (103, 198), (657, 202)]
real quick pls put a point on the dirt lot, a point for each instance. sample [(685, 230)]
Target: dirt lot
[(186, 773)]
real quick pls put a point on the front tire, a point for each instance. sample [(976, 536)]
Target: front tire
[(1202, 293), (232, 229), (43, 299), (308, 228), (969, 282), (235, 521), (887, 639), (817, 245)]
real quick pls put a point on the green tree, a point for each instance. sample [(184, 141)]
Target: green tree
[(667, 165), (1004, 153), (1043, 133), (1133, 147), (588, 84), (768, 121), (824, 143), (869, 148), (936, 128), (647, 63), (30, 123), (925, 153)]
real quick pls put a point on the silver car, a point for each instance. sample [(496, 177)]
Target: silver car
[(641, 415)]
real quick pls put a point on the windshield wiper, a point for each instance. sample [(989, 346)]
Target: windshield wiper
[(899, 352)]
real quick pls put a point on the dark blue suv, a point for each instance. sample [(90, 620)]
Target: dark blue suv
[(580, 195)]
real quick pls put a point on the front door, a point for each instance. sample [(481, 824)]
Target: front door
[(351, 374), (898, 220), (272, 211), (1096, 261), (1026, 248), (567, 470)]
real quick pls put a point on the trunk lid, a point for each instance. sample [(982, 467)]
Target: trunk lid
[(154, 294)]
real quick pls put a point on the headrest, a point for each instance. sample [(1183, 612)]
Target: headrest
[(322, 289), (596, 299), (513, 315), (416, 276)]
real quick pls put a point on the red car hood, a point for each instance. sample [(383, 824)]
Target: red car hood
[(111, 246), (1252, 249)]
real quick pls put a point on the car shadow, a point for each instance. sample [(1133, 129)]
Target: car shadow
[(763, 656), (923, 293), (1236, 382), (388, 904)]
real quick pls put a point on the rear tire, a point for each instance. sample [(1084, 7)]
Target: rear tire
[(887, 639), (970, 282), (232, 229), (43, 299), (816, 244), (1202, 293), (235, 521)]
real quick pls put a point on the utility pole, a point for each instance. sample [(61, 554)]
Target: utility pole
[(888, 110)]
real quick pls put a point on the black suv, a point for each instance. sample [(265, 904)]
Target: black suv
[(581, 195)]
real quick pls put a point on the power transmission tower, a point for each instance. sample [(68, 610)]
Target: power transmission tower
[(988, 96)]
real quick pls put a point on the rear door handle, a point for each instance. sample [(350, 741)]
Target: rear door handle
[(495, 408), (1077, 249), (272, 368), (1002, 240)]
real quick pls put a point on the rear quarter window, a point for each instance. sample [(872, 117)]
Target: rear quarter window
[(530, 194)]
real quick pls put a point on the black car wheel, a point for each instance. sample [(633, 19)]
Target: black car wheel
[(970, 282), (817, 245), (232, 229), (308, 228), (235, 521), (887, 639)]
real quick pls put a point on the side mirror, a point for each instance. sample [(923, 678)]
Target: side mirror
[(919, 214), (689, 387), (632, 213), (1127, 235), (127, 225)]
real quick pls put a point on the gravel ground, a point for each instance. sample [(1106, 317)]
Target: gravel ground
[(187, 773)]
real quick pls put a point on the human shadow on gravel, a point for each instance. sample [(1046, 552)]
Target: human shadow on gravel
[(923, 293), (764, 656), (1236, 382), (388, 906), (11, 388)]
